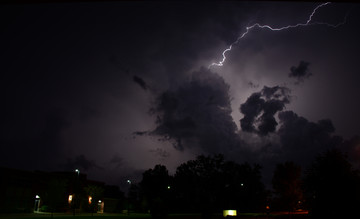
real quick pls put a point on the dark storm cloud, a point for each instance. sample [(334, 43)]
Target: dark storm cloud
[(117, 161), (253, 85), (140, 82), (300, 72), (298, 140), (161, 153), (301, 139), (197, 113), (82, 163), (251, 109), (260, 108), (140, 133), (81, 62)]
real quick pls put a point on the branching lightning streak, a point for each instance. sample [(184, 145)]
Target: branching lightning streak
[(249, 28)]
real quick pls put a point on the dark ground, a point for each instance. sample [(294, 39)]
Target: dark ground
[(141, 216)]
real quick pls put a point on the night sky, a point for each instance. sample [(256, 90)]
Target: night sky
[(113, 88)]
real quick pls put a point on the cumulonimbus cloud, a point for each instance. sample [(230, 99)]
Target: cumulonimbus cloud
[(198, 112)]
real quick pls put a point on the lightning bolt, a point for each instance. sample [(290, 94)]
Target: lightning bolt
[(257, 25)]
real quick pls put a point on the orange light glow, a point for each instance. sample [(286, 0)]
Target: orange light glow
[(70, 198), (90, 198)]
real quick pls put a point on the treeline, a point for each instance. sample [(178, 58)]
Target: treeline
[(210, 184)]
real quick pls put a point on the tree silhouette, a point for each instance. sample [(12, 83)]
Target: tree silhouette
[(154, 189), (287, 186), (198, 183), (332, 186), (207, 184), (211, 184), (134, 199)]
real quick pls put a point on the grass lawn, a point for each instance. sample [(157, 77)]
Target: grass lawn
[(70, 216), (141, 216)]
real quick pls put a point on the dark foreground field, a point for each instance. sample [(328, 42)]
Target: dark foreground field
[(142, 216)]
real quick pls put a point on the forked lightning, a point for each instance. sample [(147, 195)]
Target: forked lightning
[(248, 29)]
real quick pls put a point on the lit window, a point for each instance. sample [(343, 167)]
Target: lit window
[(229, 213)]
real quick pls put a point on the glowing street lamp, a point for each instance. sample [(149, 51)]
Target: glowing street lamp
[(70, 199), (76, 186), (37, 203), (128, 202)]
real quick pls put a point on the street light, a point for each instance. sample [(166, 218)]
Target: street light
[(37, 203), (128, 204), (76, 191), (70, 199)]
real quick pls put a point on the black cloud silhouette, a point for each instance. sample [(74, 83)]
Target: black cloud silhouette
[(140, 82), (300, 72), (260, 108)]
